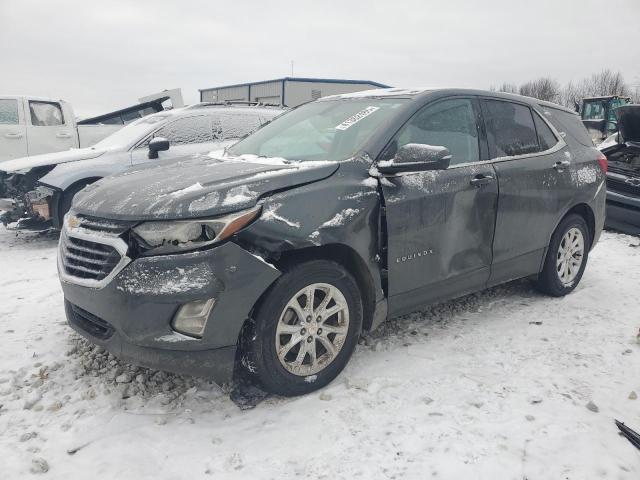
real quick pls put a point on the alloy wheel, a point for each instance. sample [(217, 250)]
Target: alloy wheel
[(570, 255), (312, 329)]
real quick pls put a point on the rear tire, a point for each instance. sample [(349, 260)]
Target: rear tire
[(292, 349), (566, 257)]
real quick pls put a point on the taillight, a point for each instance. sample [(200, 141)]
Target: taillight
[(602, 160)]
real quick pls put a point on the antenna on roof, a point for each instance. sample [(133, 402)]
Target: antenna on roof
[(292, 68)]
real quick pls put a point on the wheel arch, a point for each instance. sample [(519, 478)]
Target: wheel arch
[(350, 260), (339, 253), (58, 199), (585, 212)]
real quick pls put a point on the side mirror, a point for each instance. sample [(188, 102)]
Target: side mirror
[(416, 157), (157, 144)]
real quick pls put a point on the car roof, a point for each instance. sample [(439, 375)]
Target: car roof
[(31, 97), (240, 107), (420, 93), (213, 109)]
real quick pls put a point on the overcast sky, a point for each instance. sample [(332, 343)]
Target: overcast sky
[(104, 55)]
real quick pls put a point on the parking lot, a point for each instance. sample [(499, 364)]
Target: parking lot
[(506, 380)]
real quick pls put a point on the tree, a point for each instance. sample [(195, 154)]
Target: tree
[(505, 87), (600, 84), (543, 88)]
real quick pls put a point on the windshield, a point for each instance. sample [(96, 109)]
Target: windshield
[(329, 130), (130, 134), (593, 110)]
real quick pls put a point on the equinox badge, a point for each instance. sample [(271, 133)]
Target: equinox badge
[(414, 255)]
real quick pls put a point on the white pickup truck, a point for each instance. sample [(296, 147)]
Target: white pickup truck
[(32, 125)]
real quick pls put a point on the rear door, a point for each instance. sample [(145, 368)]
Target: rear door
[(13, 132), (440, 223), (49, 128), (534, 170)]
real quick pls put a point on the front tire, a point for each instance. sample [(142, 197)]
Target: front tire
[(306, 328), (566, 257)]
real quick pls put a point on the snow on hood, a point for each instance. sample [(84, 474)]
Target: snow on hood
[(26, 163), (193, 187), (629, 122)]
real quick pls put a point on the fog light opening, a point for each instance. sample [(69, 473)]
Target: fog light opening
[(192, 317)]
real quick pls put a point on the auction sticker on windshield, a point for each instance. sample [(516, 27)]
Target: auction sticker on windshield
[(356, 118)]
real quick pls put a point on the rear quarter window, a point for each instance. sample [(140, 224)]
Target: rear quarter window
[(568, 124)]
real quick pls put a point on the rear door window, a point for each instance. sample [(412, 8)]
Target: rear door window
[(510, 129), (546, 137), (46, 114), (8, 112)]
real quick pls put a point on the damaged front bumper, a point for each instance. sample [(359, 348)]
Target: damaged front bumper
[(130, 311), (23, 201)]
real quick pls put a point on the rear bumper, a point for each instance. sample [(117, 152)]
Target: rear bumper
[(131, 315), (623, 213)]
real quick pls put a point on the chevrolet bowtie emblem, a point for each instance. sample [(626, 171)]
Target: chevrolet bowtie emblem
[(73, 221)]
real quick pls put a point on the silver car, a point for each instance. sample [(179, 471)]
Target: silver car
[(37, 191)]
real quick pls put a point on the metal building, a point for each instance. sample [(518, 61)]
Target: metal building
[(287, 91)]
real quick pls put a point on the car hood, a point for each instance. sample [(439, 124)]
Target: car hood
[(629, 122), (194, 187), (27, 163)]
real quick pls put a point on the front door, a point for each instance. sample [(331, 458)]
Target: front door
[(13, 133), (440, 223), (534, 170)]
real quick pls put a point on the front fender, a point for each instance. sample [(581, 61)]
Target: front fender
[(62, 176), (343, 209)]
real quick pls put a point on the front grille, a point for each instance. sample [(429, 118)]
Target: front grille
[(88, 322), (115, 227), (619, 185), (87, 259)]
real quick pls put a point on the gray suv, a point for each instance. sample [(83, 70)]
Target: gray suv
[(275, 255)]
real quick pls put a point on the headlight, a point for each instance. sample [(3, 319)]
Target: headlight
[(184, 235)]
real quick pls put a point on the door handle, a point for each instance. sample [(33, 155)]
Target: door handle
[(63, 135), (13, 135), (481, 179), (561, 165)]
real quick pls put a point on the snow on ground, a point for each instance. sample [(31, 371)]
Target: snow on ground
[(491, 386)]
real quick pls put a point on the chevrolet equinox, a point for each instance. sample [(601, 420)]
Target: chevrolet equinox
[(274, 255)]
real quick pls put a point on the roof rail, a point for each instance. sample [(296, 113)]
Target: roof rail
[(228, 103)]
